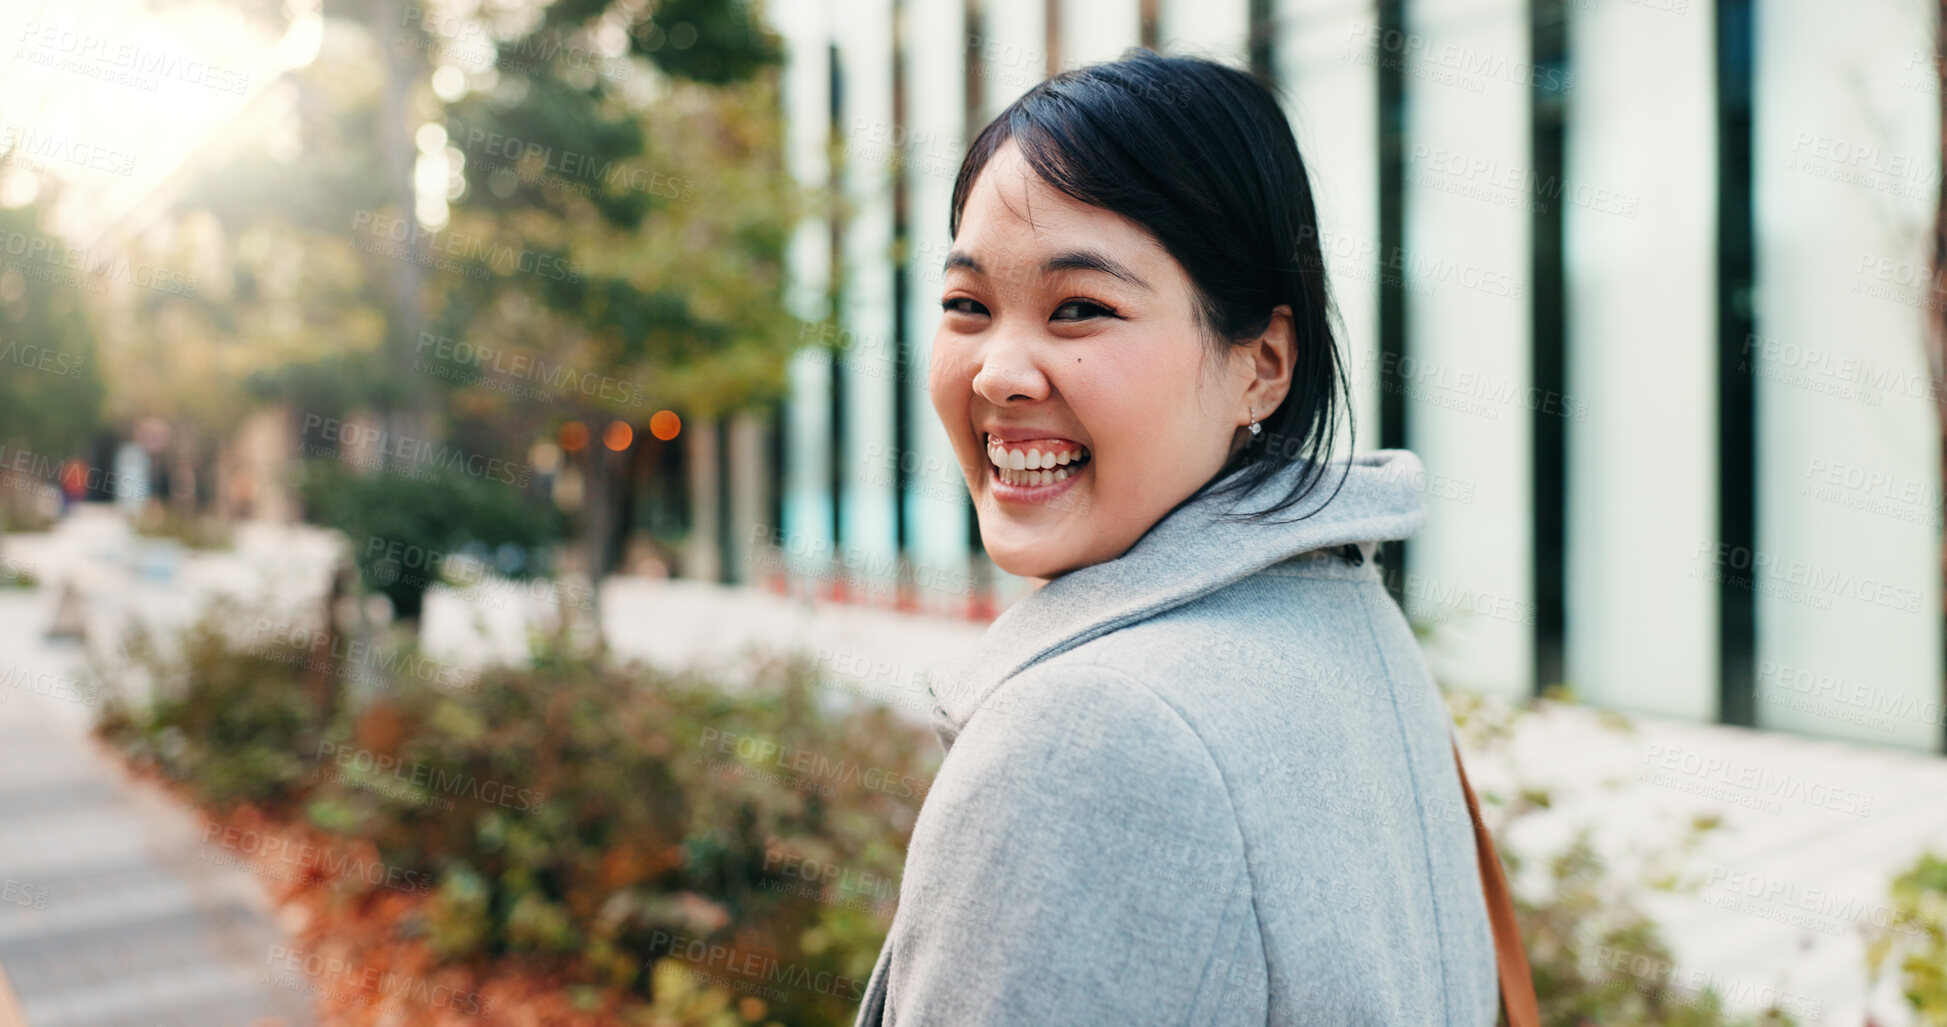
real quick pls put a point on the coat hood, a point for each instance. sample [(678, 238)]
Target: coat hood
[(1189, 553)]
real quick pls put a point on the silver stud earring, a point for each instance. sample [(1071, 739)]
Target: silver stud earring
[(1256, 428)]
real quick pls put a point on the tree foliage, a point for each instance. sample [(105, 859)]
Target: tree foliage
[(50, 377)]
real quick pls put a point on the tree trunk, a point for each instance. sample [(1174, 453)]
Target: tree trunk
[(598, 521), (410, 417), (1937, 324)]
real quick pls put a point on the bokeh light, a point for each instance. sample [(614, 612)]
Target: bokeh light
[(665, 425)]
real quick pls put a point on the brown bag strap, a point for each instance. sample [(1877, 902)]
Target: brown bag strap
[(1517, 981)]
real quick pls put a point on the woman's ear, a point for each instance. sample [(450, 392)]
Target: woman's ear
[(1273, 355)]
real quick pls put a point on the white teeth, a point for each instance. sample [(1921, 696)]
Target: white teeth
[(1029, 479), (1033, 467)]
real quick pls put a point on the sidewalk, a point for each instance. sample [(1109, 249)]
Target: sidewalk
[(110, 913), (1813, 830)]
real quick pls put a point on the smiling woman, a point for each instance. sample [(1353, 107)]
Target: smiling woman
[(1058, 248), (1035, 272), (1201, 775)]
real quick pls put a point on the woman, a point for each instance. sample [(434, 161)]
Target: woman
[(1200, 775)]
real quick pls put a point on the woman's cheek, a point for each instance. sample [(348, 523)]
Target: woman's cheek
[(947, 388)]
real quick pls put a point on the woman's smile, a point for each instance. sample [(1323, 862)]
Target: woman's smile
[(1033, 471)]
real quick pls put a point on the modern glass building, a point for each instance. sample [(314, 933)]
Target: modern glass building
[(1647, 284)]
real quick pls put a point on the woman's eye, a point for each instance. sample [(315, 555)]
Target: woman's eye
[(1080, 310), (963, 305)]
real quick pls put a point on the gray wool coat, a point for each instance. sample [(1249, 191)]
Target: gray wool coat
[(1207, 782)]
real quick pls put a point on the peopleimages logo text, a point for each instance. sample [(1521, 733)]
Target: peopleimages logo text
[(129, 56), (37, 149), (568, 165), (552, 375), (107, 266), (418, 451), (426, 776), (407, 234)]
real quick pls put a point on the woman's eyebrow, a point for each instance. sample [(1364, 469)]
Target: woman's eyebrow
[(1090, 260), (1072, 260), (958, 259)]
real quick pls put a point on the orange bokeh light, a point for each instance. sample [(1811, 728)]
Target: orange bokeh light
[(574, 436), (618, 435), (665, 424)]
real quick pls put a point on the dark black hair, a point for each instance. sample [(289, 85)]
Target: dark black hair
[(1201, 155)]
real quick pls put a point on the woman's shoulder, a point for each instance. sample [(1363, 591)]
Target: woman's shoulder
[(1066, 742), (1064, 755), (1079, 705), (1076, 819), (1304, 626)]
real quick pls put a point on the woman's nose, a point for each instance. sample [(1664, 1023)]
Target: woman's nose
[(1007, 373)]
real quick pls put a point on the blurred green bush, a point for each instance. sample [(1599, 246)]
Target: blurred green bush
[(1912, 944), (232, 721), (1596, 956), (593, 820), (406, 530)]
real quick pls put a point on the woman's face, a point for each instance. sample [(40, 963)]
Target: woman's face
[(1069, 343)]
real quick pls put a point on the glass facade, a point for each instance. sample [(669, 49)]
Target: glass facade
[(1618, 272)]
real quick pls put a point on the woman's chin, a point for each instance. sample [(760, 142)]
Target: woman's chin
[(1043, 557)]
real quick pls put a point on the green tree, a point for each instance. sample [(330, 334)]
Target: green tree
[(50, 379), (634, 240), (633, 158), (279, 307)]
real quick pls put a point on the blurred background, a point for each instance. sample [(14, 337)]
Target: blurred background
[(474, 528)]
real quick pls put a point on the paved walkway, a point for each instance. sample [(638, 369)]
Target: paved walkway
[(1813, 830), (111, 913)]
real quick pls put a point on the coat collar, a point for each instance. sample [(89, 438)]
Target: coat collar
[(1189, 553)]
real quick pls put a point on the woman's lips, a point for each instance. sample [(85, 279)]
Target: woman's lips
[(1034, 470), (1009, 486), (1030, 455), (1037, 478)]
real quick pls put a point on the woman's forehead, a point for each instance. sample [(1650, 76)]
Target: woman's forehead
[(1015, 220)]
